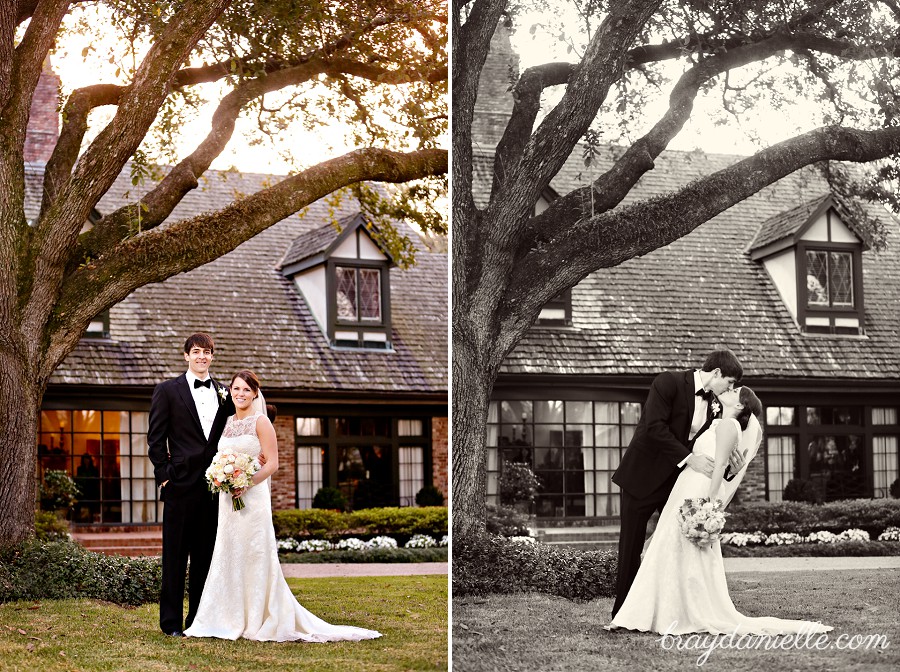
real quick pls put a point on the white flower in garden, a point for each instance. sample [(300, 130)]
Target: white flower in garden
[(421, 541)]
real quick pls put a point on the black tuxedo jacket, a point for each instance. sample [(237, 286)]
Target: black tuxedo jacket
[(660, 440), (179, 451)]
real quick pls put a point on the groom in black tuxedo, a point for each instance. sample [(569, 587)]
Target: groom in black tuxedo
[(187, 416), (679, 408)]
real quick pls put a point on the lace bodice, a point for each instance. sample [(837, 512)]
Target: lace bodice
[(241, 435)]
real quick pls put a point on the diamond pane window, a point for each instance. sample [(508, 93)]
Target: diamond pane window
[(841, 278), (370, 294), (817, 278), (346, 293)]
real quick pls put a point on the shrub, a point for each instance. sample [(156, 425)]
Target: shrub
[(58, 490), (35, 570), (484, 564), (842, 549), (50, 526), (798, 490), (506, 521), (518, 483), (329, 498), (895, 489), (394, 521), (429, 496), (871, 515)]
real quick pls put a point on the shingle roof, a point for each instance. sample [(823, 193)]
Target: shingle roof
[(787, 223), (316, 241), (669, 308), (258, 318)]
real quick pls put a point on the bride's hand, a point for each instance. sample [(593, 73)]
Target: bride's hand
[(701, 463), (736, 460)]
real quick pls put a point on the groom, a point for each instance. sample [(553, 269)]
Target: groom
[(187, 416), (679, 408)]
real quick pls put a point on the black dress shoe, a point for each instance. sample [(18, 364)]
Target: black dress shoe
[(176, 633)]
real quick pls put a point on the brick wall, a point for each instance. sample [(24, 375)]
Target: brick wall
[(440, 454), (753, 487), (494, 103), (43, 125), (284, 486)]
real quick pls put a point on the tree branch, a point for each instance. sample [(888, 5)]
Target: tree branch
[(155, 206), (155, 255), (608, 239), (526, 105), (103, 161)]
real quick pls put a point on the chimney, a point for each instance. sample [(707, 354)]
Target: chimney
[(43, 125), (494, 103)]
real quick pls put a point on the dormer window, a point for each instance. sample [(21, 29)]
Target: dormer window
[(558, 311), (344, 275), (99, 326), (814, 258)]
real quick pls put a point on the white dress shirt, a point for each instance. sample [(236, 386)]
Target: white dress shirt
[(205, 401), (700, 409)]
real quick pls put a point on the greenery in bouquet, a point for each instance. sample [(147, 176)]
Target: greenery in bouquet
[(702, 520)]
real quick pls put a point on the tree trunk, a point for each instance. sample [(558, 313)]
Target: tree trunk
[(20, 407), (472, 386)]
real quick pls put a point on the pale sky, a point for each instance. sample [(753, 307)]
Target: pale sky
[(700, 132)]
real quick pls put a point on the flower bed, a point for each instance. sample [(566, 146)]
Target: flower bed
[(398, 522), (871, 515), (355, 544)]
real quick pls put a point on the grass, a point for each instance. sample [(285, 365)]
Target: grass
[(540, 632), (69, 635)]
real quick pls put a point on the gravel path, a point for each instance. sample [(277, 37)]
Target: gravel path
[(809, 564)]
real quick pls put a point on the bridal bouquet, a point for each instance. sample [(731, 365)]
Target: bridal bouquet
[(229, 472), (702, 520)]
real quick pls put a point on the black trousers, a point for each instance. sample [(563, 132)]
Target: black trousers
[(189, 531), (635, 513)]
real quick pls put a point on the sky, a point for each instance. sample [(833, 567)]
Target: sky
[(700, 132), (101, 67)]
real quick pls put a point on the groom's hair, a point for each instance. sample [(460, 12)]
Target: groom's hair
[(751, 404), (199, 340), (724, 361)]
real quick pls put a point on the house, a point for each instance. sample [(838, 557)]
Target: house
[(350, 348), (782, 278)]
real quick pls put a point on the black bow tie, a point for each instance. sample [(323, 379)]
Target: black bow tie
[(705, 394), (203, 383)]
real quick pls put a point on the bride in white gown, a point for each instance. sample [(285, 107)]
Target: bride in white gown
[(245, 594), (680, 588)]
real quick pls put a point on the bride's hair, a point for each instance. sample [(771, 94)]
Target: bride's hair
[(248, 377), (751, 404)]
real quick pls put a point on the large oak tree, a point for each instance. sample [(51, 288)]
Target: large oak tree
[(509, 261), (377, 65)]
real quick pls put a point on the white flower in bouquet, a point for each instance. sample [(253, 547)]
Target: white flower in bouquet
[(702, 521), (230, 472)]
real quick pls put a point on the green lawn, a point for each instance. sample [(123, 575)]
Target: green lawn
[(538, 632), (410, 612)]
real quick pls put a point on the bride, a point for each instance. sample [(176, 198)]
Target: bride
[(680, 588), (245, 594)]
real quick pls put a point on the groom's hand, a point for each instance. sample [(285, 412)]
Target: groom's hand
[(701, 463), (262, 459)]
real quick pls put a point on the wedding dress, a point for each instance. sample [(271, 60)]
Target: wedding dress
[(245, 594), (680, 588)]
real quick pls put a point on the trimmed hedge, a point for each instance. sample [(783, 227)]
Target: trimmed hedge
[(485, 564), (35, 570), (371, 555), (871, 515), (836, 550), (396, 521)]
